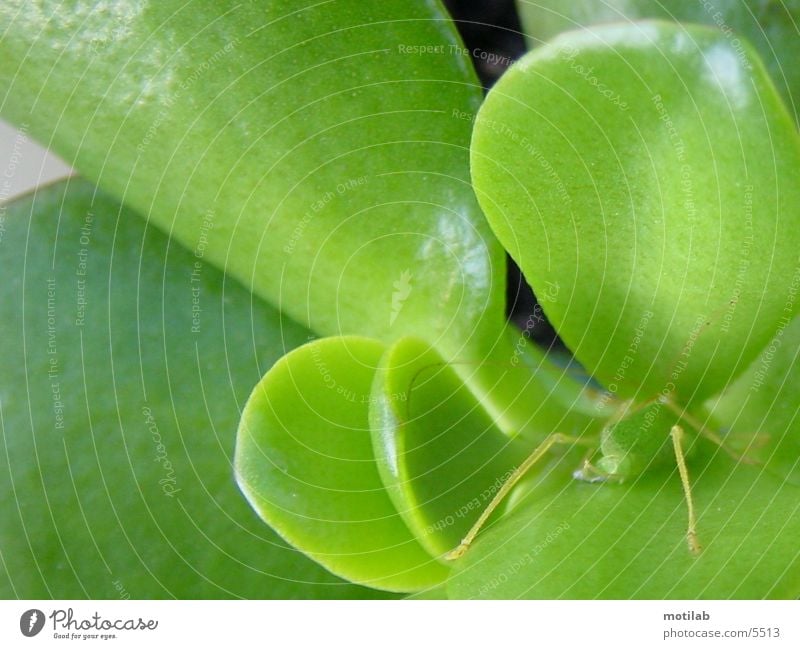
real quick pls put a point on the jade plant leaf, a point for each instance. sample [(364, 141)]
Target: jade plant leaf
[(773, 28), (761, 411), (126, 362), (438, 593), (304, 460), (572, 539), (648, 170), (440, 455), (315, 151)]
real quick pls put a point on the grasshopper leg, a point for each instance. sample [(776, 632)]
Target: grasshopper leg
[(691, 531), (508, 485)]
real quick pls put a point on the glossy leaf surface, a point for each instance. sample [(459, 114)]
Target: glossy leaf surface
[(316, 151), (440, 454), (304, 460), (119, 401), (761, 410), (571, 539), (772, 27), (649, 172)]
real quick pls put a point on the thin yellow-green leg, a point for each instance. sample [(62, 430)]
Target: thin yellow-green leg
[(709, 434), (508, 485), (691, 531)]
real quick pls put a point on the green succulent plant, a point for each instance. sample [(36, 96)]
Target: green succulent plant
[(327, 204)]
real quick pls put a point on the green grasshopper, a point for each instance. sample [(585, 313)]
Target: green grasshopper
[(634, 440)]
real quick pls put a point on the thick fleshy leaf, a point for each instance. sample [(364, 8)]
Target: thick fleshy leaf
[(761, 410), (772, 27), (317, 151), (650, 171), (440, 454), (304, 459), (572, 539), (126, 362), (438, 593)]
